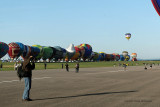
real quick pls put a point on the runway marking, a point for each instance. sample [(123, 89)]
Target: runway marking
[(23, 80)]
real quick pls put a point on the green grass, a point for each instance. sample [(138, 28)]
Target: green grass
[(9, 66)]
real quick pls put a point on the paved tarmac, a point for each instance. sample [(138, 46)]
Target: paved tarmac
[(91, 87)]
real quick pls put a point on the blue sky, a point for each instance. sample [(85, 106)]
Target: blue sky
[(100, 23)]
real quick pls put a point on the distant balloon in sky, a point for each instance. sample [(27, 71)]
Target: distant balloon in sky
[(156, 4), (128, 36)]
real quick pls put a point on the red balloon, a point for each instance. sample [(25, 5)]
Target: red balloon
[(156, 4), (14, 50)]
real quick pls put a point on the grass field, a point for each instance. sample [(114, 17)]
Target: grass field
[(9, 66)]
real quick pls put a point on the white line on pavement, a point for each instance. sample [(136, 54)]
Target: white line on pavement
[(23, 80)]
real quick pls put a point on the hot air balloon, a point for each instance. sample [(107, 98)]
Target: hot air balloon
[(134, 56), (88, 51), (35, 51), (77, 54), (82, 49), (70, 52), (22, 48), (124, 53), (128, 36), (14, 50), (58, 53), (156, 4), (116, 56), (3, 49), (127, 58), (27, 51), (103, 56), (48, 51), (39, 56)]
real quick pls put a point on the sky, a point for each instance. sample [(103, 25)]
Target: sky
[(100, 23)]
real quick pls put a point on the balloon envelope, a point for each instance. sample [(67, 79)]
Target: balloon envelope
[(39, 56), (22, 47), (3, 49), (128, 36), (14, 50), (156, 4), (27, 51), (47, 53)]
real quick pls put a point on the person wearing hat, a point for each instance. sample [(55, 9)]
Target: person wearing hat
[(27, 67)]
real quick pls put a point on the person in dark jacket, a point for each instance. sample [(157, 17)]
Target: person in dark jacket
[(67, 67), (77, 67), (27, 67)]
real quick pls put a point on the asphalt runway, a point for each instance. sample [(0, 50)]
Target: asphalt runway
[(91, 87)]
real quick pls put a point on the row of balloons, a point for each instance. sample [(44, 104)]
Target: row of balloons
[(84, 51)]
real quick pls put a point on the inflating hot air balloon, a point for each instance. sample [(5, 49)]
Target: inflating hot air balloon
[(39, 56), (103, 56), (124, 53), (3, 49), (27, 51), (14, 50), (48, 51), (35, 51), (127, 58), (70, 52), (88, 51), (22, 48), (134, 56), (128, 36), (58, 53), (116, 56), (156, 4)]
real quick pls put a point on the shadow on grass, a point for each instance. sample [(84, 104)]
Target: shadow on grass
[(92, 94)]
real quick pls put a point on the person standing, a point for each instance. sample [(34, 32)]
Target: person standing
[(45, 65), (27, 67), (62, 65), (77, 67), (1, 66), (67, 67)]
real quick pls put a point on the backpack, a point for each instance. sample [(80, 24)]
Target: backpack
[(20, 72)]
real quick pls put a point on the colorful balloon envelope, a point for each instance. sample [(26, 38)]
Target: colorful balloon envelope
[(14, 50), (22, 48), (124, 53), (95, 57), (88, 51), (133, 55), (34, 51), (103, 56), (128, 36), (59, 52), (3, 49), (82, 49), (47, 53), (27, 52), (156, 4), (76, 56), (39, 56), (127, 58)]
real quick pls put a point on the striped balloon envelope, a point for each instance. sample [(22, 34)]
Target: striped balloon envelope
[(3, 49)]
